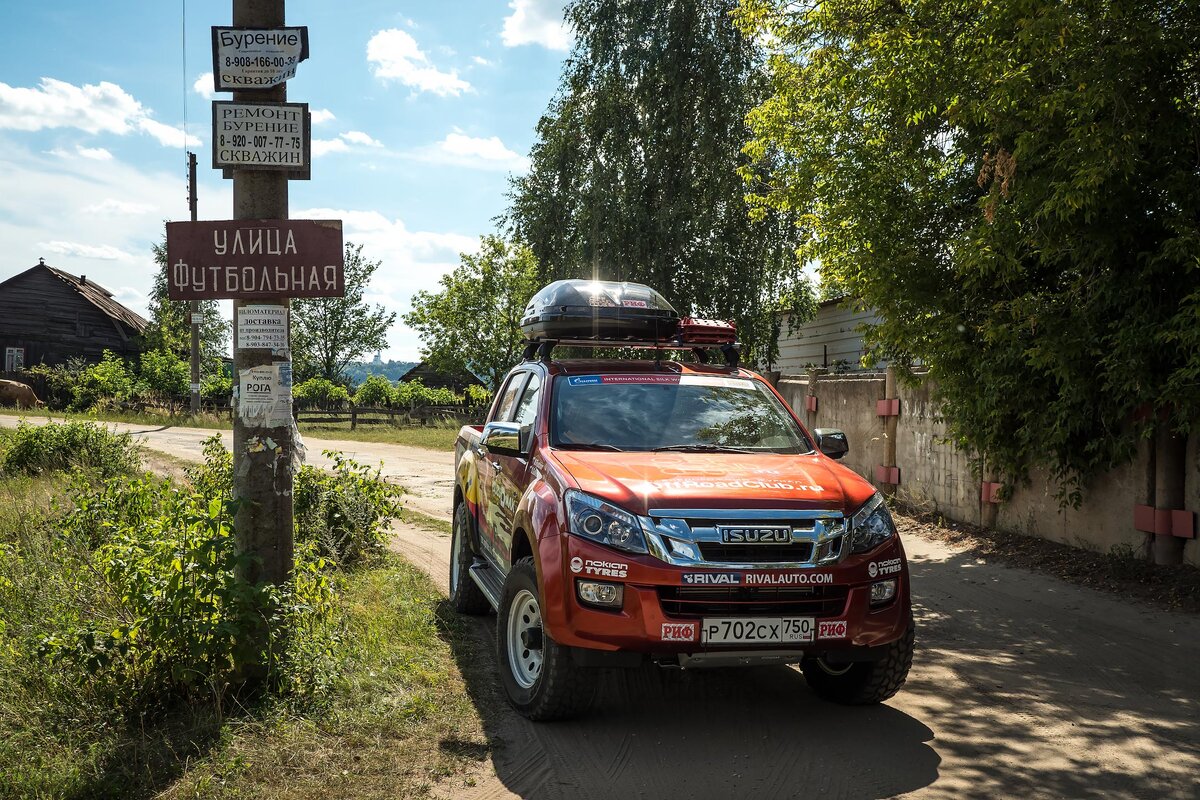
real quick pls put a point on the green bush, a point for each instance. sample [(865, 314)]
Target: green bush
[(217, 387), (320, 391), (35, 449), (163, 374), (478, 395), (414, 394), (376, 391), (108, 380), (344, 513)]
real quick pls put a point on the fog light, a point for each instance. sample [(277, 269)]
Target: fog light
[(883, 592), (605, 595)]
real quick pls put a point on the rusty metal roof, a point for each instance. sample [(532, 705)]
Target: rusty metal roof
[(101, 298)]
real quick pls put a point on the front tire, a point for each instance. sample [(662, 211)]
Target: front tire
[(865, 682), (538, 674), (465, 594)]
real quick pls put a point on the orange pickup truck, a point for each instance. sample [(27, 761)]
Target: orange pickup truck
[(614, 512)]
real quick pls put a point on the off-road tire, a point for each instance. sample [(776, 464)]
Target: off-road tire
[(465, 594), (864, 682), (561, 690)]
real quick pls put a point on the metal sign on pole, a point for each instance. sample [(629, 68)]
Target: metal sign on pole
[(245, 59), (255, 258)]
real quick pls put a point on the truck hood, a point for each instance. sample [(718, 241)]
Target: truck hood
[(642, 481)]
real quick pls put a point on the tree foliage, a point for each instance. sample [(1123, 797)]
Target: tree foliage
[(170, 327), (635, 172), (1016, 188), (474, 321), (330, 332)]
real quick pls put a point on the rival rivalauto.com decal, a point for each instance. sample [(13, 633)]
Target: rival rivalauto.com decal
[(756, 579)]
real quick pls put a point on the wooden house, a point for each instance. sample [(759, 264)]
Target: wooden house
[(435, 379), (48, 316)]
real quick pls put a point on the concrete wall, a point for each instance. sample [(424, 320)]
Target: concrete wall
[(937, 476)]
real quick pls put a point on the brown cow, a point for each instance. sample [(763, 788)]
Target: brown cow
[(19, 394)]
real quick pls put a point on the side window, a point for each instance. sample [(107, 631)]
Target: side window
[(527, 409), (508, 396)]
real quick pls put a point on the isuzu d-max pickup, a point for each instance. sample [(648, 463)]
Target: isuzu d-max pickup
[(614, 512)]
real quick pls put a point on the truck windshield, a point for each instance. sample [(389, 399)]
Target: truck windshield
[(671, 412)]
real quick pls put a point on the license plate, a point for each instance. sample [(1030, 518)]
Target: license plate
[(758, 630)]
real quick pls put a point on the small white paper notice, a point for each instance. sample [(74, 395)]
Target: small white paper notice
[(262, 327), (265, 400)]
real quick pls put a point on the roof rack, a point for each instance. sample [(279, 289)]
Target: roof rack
[(542, 348)]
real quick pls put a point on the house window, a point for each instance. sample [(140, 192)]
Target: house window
[(14, 359)]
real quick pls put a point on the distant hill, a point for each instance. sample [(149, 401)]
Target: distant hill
[(358, 371)]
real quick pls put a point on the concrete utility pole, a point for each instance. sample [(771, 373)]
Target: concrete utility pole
[(262, 456), (194, 305)]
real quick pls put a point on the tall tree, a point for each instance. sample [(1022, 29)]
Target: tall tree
[(474, 322), (330, 332), (170, 324), (635, 174), (1016, 188)]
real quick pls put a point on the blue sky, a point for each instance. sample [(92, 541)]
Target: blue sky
[(421, 113)]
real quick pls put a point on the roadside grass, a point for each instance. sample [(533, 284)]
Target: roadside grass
[(428, 437), (389, 716), (399, 721), (426, 521)]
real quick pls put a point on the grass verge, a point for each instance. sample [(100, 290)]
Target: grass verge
[(427, 437), (399, 721)]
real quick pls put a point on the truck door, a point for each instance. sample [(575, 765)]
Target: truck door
[(510, 480), (488, 467)]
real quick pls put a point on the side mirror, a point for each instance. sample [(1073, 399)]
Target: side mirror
[(832, 442), (506, 438)]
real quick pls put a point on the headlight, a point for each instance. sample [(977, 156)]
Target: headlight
[(871, 525), (602, 522)]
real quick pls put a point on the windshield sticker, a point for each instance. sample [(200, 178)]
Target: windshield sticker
[(634, 303), (666, 380)]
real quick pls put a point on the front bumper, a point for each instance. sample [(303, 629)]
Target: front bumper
[(664, 605)]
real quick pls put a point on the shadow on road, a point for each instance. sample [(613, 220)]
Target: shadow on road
[(726, 733)]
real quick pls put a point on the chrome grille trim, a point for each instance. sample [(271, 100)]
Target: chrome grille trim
[(823, 529)]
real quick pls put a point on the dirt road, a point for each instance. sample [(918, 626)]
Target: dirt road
[(428, 475), (1023, 686)]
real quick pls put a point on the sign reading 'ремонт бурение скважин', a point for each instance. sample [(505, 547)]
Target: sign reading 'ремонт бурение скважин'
[(247, 258)]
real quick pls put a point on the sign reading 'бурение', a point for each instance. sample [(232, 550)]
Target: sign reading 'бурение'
[(261, 135), (254, 258), (256, 58)]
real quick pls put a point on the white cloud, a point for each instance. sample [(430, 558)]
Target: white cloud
[(93, 108), (321, 147), (103, 252), (481, 61), (94, 153), (120, 207), (536, 22), (343, 143), (462, 150), (412, 261), (95, 217), (204, 86), (321, 115), (395, 55), (358, 137)]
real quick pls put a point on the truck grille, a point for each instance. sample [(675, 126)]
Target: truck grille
[(799, 553), (792, 601)]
